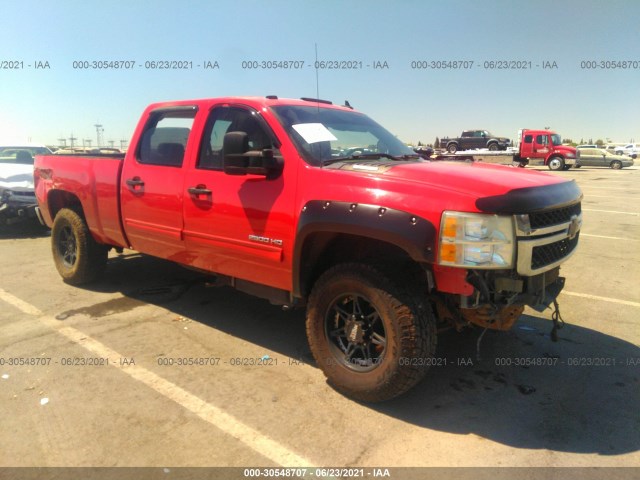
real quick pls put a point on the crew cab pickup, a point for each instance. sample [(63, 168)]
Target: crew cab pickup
[(306, 203), (472, 139)]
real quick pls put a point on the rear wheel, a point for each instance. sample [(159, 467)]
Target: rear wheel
[(78, 257), (556, 163), (371, 339), (616, 165)]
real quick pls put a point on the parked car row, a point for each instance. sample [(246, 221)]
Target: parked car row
[(631, 149)]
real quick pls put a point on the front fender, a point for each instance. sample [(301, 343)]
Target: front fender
[(413, 234)]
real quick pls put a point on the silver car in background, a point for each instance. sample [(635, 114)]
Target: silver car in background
[(598, 157)]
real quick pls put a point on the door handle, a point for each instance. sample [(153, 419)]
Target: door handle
[(199, 190), (134, 182)]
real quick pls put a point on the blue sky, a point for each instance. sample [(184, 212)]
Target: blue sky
[(417, 105)]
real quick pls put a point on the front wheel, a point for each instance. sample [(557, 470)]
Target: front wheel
[(372, 340), (78, 257), (556, 163), (452, 148), (493, 147)]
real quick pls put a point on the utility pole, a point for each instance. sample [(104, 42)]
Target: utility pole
[(63, 142), (99, 132), (72, 139)]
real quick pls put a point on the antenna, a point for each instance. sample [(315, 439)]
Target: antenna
[(317, 77)]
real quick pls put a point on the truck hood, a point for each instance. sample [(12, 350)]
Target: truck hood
[(565, 148), (14, 175), (490, 188)]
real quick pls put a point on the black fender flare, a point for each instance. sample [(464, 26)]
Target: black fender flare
[(415, 235)]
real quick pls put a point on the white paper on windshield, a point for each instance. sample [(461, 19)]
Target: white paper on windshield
[(314, 132)]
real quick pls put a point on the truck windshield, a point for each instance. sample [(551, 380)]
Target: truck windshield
[(556, 139), (324, 134)]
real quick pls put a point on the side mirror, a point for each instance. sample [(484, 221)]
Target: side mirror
[(238, 160), (234, 147)]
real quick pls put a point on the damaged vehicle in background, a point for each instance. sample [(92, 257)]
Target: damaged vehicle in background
[(17, 197)]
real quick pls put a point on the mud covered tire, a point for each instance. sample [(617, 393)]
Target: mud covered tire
[(397, 329), (79, 259)]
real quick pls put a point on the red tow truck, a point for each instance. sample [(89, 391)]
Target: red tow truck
[(532, 147), (306, 203)]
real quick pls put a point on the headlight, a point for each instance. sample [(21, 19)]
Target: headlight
[(475, 240)]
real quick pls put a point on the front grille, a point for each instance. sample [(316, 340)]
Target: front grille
[(554, 217), (23, 194), (547, 254)]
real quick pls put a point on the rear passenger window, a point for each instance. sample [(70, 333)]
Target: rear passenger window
[(164, 139)]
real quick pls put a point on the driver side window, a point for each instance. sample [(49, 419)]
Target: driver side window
[(223, 120)]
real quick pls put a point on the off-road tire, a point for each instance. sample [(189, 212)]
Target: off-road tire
[(79, 259), (493, 146), (409, 330)]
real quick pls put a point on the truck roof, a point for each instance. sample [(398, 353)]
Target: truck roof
[(268, 101), (552, 132)]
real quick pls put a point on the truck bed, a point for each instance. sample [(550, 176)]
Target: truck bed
[(95, 180), (500, 157)]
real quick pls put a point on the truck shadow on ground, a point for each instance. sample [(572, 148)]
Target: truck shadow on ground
[(579, 395)]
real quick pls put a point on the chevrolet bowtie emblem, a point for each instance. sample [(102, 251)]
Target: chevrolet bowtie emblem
[(574, 227)]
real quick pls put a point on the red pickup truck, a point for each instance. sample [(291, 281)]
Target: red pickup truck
[(306, 203)]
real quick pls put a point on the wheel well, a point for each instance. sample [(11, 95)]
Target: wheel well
[(323, 250), (59, 199)]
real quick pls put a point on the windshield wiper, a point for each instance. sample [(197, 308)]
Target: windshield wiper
[(364, 156)]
